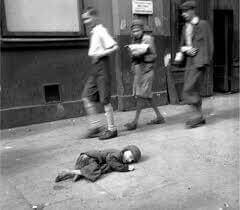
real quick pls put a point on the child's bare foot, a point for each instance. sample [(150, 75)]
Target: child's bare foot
[(64, 175)]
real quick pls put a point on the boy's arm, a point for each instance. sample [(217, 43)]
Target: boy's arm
[(151, 53), (109, 51)]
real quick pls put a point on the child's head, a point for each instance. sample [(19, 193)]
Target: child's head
[(188, 10), (89, 15), (137, 28), (131, 154)]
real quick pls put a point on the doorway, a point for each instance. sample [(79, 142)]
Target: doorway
[(223, 50)]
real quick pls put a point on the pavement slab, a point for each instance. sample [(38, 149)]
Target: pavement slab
[(192, 169)]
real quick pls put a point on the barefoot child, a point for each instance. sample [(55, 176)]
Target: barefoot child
[(143, 55), (92, 164)]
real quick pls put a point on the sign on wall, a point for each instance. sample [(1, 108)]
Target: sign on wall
[(142, 7)]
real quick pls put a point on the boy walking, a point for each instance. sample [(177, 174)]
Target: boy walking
[(98, 86), (143, 55)]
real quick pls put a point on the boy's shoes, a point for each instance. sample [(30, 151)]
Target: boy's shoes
[(108, 134), (193, 123), (131, 126), (157, 121), (93, 132)]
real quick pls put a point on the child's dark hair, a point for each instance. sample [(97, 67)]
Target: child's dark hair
[(92, 11)]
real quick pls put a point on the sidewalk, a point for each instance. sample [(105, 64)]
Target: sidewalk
[(180, 169)]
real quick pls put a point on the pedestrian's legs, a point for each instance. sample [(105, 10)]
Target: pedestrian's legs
[(197, 119), (160, 118), (139, 106), (191, 94), (90, 108), (198, 109), (94, 122), (110, 118), (111, 131)]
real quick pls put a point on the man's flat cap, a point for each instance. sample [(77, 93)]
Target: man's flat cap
[(188, 5)]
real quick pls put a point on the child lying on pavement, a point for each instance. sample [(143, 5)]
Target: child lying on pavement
[(92, 164)]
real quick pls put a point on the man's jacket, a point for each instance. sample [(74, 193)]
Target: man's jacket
[(202, 40)]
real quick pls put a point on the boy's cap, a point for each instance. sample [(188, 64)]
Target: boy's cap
[(137, 23), (135, 151), (188, 5)]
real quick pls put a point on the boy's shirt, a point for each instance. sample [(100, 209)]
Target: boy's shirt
[(100, 40)]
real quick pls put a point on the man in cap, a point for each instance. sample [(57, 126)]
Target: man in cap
[(197, 48), (143, 54), (92, 164), (98, 85)]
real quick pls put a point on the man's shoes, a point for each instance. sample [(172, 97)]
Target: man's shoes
[(194, 123), (131, 126), (156, 121), (108, 134), (93, 132)]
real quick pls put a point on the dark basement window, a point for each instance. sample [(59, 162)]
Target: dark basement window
[(52, 93)]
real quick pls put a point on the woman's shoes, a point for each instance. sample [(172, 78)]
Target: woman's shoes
[(157, 121), (133, 126), (196, 122)]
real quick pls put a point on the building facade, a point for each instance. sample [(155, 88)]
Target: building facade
[(44, 62)]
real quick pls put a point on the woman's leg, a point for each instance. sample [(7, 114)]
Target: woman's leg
[(139, 109), (139, 106), (160, 118)]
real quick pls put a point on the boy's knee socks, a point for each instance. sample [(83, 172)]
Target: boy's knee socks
[(109, 115), (91, 111), (89, 107)]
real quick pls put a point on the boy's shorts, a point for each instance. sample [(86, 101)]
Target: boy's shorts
[(98, 85)]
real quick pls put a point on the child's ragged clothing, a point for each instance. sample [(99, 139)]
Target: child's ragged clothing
[(93, 164)]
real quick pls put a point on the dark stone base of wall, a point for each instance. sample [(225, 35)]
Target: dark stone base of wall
[(22, 116)]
